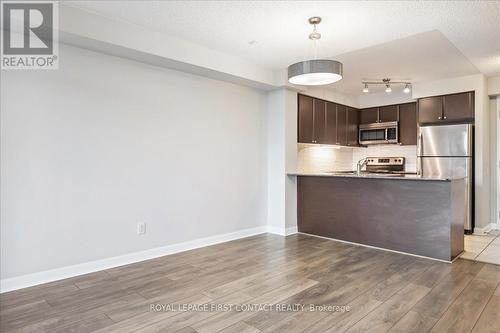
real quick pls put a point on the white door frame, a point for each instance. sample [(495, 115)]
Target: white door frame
[(497, 166)]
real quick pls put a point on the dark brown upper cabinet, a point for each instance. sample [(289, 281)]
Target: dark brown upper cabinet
[(319, 120), (368, 116), (380, 114), (352, 126), (331, 124), (388, 113), (430, 109), (459, 107), (448, 108), (404, 113), (311, 122), (305, 121), (408, 124), (341, 125), (326, 122)]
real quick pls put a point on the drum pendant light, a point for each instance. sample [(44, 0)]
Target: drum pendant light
[(317, 71)]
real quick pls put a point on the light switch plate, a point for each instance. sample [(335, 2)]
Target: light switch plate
[(141, 228)]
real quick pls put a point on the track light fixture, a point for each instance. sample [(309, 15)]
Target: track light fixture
[(388, 85)]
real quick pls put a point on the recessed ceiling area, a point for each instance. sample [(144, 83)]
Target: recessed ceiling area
[(423, 57), (417, 40)]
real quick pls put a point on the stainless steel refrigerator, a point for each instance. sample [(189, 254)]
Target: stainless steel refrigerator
[(447, 151)]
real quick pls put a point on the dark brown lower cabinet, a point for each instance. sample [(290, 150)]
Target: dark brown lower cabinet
[(422, 217)]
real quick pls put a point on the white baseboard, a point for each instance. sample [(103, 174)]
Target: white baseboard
[(282, 231), (486, 229), (291, 231), (98, 265)]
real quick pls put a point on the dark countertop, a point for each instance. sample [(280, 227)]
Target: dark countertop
[(370, 176)]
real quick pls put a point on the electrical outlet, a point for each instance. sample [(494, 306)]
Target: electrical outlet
[(141, 228)]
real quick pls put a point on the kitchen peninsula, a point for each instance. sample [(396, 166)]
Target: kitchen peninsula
[(388, 205), (401, 213)]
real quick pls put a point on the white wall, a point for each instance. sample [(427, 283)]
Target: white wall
[(494, 93), (494, 85), (91, 149), (494, 163), (330, 94), (281, 159), (94, 31), (478, 84), (497, 163), (383, 98), (291, 125), (276, 167)]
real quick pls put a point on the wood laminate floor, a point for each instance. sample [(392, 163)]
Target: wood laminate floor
[(385, 292)]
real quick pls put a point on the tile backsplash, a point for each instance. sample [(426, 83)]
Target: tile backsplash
[(408, 152), (321, 158)]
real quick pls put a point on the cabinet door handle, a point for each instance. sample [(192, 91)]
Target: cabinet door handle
[(439, 118), (444, 117)]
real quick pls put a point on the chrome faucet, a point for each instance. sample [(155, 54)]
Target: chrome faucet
[(361, 163)]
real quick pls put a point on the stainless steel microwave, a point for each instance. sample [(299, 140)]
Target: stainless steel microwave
[(378, 133)]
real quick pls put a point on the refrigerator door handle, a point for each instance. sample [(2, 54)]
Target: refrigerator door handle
[(420, 151)]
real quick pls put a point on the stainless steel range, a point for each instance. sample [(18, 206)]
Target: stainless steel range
[(382, 165), (385, 164)]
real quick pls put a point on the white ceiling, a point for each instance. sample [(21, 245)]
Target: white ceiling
[(400, 39), (423, 57)]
